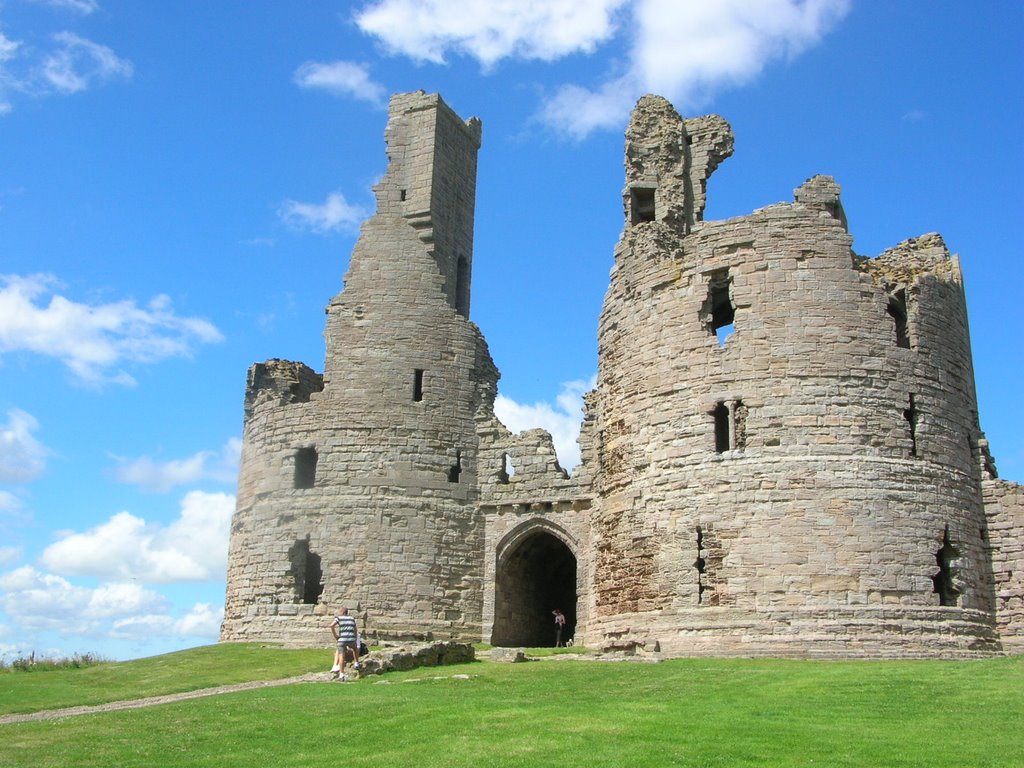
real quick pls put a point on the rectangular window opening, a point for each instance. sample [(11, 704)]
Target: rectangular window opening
[(641, 204), (305, 468), (455, 472), (897, 309), (718, 312), (507, 471), (417, 386), (721, 416), (307, 571)]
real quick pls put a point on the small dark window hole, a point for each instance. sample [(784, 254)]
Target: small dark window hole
[(417, 385)]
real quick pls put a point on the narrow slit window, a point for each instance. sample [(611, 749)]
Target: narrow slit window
[(701, 565), (910, 415), (642, 204), (455, 472), (943, 581), (897, 309), (721, 417), (462, 287), (305, 468), (417, 385)]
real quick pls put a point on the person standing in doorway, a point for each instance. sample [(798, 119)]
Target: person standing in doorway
[(346, 636), (559, 626)]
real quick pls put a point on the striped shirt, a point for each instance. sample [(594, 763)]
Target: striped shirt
[(346, 629)]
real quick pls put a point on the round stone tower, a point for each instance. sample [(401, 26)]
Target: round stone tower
[(788, 431), (359, 487)]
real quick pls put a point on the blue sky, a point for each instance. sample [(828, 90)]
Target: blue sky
[(181, 185)]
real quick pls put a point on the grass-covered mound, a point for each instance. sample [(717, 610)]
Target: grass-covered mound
[(53, 686), (565, 712)]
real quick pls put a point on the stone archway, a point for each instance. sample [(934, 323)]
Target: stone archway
[(536, 573)]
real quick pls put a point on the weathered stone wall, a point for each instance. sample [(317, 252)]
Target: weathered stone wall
[(782, 456), (819, 485), (390, 509), (1004, 504)]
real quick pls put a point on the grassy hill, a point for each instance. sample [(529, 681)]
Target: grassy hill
[(688, 712)]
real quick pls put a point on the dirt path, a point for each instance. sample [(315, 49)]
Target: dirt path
[(113, 706)]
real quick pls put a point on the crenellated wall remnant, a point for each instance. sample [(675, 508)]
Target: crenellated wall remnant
[(782, 455)]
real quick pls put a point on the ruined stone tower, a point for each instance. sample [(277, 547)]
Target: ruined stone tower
[(782, 455), (360, 486)]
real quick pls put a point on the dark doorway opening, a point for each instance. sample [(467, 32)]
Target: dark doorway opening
[(535, 578)]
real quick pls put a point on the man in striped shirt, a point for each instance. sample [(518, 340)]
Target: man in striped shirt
[(346, 634)]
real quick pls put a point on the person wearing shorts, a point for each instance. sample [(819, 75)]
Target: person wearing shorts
[(346, 636)]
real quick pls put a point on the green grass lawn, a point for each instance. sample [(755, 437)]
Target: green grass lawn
[(689, 712), (205, 667)]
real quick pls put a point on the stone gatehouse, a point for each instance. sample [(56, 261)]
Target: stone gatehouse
[(782, 455)]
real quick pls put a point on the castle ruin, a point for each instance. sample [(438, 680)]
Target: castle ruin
[(782, 455)]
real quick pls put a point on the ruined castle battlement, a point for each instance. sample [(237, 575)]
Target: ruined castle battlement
[(782, 455)]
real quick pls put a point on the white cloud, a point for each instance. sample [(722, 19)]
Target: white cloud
[(9, 502), (84, 7), (161, 476), (562, 420), (335, 214), (40, 601), (684, 50), (342, 78), (9, 555), (93, 339), (8, 50), (490, 30), (192, 548), (78, 62), (37, 602), (203, 620), (22, 457)]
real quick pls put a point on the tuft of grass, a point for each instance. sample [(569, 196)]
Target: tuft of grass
[(575, 650), (31, 664), (698, 713)]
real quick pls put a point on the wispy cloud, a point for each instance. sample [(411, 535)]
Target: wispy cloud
[(85, 7), (9, 555), (77, 63), (22, 457), (562, 419), (8, 51), (683, 49), (93, 340), (203, 620), (192, 548), (162, 476), (335, 214), (70, 64), (341, 78)]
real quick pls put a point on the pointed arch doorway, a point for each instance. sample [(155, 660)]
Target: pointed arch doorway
[(536, 573)]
